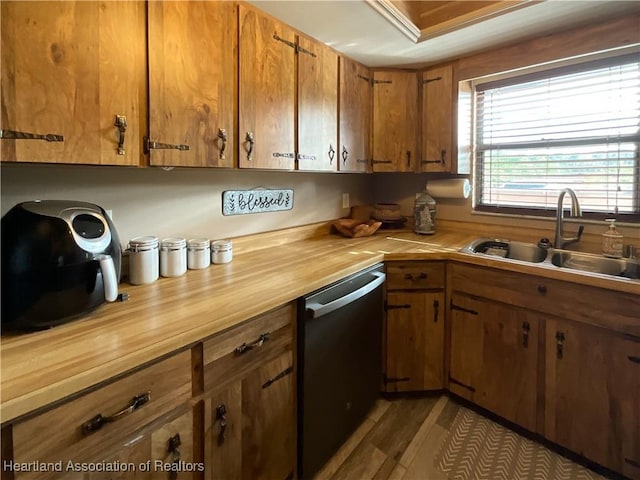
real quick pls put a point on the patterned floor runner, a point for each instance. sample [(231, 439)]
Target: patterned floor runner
[(479, 449)]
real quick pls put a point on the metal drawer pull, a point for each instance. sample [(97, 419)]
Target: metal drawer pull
[(15, 135), (99, 420), (121, 123), (345, 155), (332, 154), (151, 145), (559, 344), (250, 140), (174, 443), (453, 306), (282, 374), (222, 135), (526, 328), (408, 158), (245, 347), (436, 310), (221, 414), (634, 359), (396, 307)]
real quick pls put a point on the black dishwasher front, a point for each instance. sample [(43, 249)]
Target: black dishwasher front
[(339, 363)]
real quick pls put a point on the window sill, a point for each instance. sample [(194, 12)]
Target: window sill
[(580, 220)]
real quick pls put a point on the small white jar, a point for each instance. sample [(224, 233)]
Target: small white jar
[(221, 251), (198, 253), (173, 257), (143, 260)]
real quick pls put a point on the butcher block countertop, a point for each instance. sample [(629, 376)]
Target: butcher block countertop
[(267, 271)]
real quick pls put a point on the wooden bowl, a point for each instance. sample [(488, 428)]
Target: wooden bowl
[(351, 228)]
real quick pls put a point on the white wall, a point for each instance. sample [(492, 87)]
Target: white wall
[(183, 202)]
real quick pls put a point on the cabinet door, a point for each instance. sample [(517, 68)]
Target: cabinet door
[(414, 342), (250, 425), (68, 69), (494, 358), (355, 117), (395, 121), (317, 107), (267, 92), (437, 120), (592, 394), (192, 83)]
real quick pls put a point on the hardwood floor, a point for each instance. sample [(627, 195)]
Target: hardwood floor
[(399, 440)]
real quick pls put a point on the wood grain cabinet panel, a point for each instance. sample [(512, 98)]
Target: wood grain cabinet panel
[(414, 341), (317, 106), (414, 326), (250, 430), (355, 116), (193, 82), (592, 394), (68, 69), (395, 121), (125, 418), (437, 120), (494, 358), (266, 134)]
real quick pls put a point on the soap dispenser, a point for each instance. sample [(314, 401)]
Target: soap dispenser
[(612, 241)]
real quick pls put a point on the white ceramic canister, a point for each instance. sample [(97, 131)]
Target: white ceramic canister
[(143, 260), (198, 253), (221, 251), (173, 257)]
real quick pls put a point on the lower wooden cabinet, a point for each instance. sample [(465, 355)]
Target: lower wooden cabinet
[(592, 394), (414, 327), (494, 357), (414, 341), (250, 422)]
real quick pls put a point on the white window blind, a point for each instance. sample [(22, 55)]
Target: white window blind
[(577, 128)]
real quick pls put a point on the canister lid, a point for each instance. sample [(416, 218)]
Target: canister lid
[(198, 243), (173, 242), (147, 241), (221, 245)]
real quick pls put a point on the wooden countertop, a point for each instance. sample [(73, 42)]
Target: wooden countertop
[(173, 313)]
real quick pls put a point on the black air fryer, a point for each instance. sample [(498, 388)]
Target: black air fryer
[(59, 259)]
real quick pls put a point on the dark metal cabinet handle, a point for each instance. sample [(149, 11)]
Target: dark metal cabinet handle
[(251, 141), (559, 344), (436, 310), (222, 135), (443, 155), (408, 158), (332, 154), (121, 123), (542, 289), (97, 422), (151, 145), (221, 415), (245, 347), (15, 135), (280, 375), (453, 306), (634, 359), (345, 155), (526, 328), (174, 443)]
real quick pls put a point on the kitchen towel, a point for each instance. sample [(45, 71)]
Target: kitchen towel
[(449, 188)]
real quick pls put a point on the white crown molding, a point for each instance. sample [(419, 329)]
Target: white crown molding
[(398, 19)]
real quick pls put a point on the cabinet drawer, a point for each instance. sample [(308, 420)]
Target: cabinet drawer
[(417, 275), (597, 306), (232, 354), (61, 433)]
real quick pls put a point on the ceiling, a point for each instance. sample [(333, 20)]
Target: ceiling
[(383, 33)]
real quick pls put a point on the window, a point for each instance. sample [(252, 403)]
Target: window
[(576, 127)]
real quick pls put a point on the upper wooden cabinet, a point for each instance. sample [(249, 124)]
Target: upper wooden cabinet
[(266, 134), (395, 121), (437, 120), (192, 83), (317, 106), (355, 116), (72, 70)]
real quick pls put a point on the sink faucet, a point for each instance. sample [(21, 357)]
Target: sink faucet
[(560, 241)]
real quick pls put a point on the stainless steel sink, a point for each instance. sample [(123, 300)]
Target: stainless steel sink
[(532, 253), (586, 262), (527, 252)]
